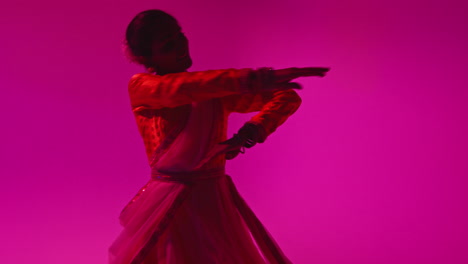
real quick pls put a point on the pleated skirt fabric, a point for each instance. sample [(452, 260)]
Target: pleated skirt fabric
[(206, 222)]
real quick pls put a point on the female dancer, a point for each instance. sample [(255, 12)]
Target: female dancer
[(190, 211)]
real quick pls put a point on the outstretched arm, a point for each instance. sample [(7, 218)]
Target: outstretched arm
[(171, 90), (149, 91)]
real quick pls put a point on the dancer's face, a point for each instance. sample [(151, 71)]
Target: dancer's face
[(171, 54)]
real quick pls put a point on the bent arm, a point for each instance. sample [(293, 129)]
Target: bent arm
[(274, 107)]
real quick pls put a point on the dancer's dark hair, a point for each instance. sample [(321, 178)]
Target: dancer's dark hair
[(144, 28)]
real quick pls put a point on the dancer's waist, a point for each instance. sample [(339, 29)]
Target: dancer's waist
[(188, 177)]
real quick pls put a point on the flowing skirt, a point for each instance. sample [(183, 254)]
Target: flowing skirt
[(205, 222)]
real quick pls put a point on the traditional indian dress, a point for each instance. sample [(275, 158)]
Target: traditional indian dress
[(190, 211)]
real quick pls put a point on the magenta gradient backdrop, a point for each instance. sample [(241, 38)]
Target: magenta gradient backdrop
[(372, 169)]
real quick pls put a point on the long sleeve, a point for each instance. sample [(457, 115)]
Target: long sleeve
[(274, 107), (148, 91)]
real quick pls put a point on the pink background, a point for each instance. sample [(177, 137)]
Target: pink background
[(371, 169)]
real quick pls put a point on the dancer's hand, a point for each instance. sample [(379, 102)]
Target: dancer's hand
[(236, 144), (247, 136), (288, 74)]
